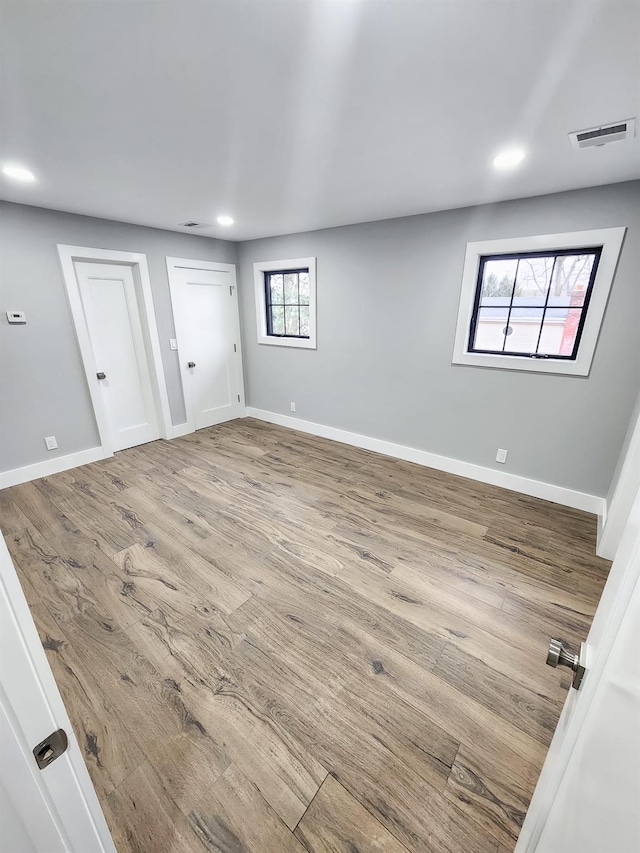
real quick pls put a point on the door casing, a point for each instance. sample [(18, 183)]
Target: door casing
[(173, 265), (69, 255)]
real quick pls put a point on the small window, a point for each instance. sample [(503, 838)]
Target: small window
[(536, 303), (286, 302), (533, 304)]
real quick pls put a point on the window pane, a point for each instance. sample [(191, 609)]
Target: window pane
[(275, 283), (559, 331), (490, 329), (523, 330), (304, 288), (571, 279), (291, 325), (291, 288), (497, 282), (304, 318), (533, 280), (277, 321)]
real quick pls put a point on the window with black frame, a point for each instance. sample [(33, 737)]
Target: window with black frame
[(287, 303), (533, 304)]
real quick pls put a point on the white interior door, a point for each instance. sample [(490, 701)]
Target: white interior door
[(49, 810), (205, 307), (588, 794), (112, 313)]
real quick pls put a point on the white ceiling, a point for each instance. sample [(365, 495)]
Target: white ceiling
[(300, 114)]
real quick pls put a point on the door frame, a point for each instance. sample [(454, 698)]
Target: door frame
[(137, 261), (173, 265)]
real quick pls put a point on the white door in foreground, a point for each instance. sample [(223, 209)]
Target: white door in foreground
[(205, 309), (49, 810), (112, 314), (588, 796)]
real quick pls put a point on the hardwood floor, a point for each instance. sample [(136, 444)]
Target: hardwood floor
[(271, 642)]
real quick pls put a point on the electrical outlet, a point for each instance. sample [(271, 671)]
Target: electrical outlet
[(501, 455), (51, 442), (293, 407)]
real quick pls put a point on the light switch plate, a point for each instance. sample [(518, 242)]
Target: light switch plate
[(16, 317), (173, 343)]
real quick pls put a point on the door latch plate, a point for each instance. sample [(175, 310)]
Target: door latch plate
[(50, 748), (579, 671)]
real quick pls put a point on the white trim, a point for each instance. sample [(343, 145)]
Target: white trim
[(178, 430), (611, 241), (514, 482), (624, 493), (174, 264), (51, 466), (68, 256), (259, 270), (191, 264)]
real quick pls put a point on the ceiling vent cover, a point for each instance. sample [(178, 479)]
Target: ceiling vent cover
[(594, 137), (195, 224)]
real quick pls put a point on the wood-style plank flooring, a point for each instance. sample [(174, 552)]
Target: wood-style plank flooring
[(271, 642)]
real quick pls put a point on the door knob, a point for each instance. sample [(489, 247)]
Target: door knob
[(559, 655), (101, 375), (191, 364)]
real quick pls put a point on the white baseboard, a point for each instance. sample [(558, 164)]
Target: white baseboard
[(50, 466), (514, 482)]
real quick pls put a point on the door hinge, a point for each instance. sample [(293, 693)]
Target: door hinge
[(235, 349), (50, 748), (230, 290), (238, 397)]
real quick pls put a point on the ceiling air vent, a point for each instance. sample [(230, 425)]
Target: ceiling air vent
[(195, 225), (597, 136)]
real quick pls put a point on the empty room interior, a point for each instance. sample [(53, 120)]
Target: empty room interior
[(319, 426)]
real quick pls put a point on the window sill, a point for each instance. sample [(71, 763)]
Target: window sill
[(298, 343)]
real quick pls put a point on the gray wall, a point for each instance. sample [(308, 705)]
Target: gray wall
[(387, 308), (43, 390)]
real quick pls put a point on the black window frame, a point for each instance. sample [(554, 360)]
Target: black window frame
[(268, 305), (596, 251)]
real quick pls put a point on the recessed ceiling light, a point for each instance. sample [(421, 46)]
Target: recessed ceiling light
[(19, 173), (225, 220), (509, 159)]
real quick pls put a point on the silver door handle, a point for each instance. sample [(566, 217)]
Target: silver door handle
[(559, 655), (101, 375), (191, 364)]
